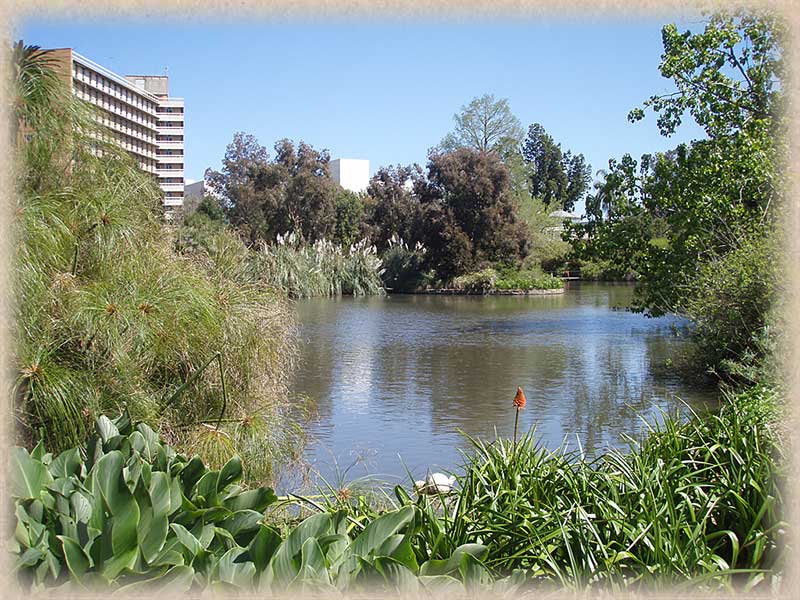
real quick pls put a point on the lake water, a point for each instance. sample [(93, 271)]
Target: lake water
[(391, 380)]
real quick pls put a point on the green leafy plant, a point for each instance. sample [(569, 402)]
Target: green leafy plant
[(133, 514)]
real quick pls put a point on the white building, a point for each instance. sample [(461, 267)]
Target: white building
[(351, 173), (147, 122)]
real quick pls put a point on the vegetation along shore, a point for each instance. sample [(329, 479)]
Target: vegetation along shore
[(153, 358)]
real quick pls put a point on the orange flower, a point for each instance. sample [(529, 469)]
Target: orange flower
[(519, 398)]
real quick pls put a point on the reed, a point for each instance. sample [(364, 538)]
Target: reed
[(323, 268), (696, 503)]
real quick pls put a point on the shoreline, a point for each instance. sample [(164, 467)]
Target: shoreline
[(456, 292)]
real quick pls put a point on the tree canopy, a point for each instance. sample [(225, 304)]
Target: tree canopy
[(487, 125), (558, 179), (671, 215)]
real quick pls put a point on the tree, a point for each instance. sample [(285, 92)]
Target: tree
[(396, 210), (467, 202), (263, 198), (579, 178), (680, 214), (486, 125), (548, 180), (555, 178), (350, 213)]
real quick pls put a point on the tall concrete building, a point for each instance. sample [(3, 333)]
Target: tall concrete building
[(147, 122), (351, 173)]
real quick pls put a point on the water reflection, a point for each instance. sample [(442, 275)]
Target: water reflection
[(401, 375)]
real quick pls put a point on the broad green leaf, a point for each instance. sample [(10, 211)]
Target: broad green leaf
[(231, 473), (29, 558), (311, 557), (241, 523), (205, 493), (257, 499), (396, 574), (77, 561), (473, 572), (106, 429), (444, 567), (191, 474), (187, 539), (151, 440), (152, 531), (263, 546), (119, 501), (29, 477), (442, 585), (67, 463), (284, 564), (239, 574), (380, 529), (159, 491), (118, 562)]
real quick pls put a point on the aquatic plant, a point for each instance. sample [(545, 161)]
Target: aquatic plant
[(320, 269), (694, 504)]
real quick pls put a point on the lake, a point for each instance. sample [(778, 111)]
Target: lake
[(391, 380)]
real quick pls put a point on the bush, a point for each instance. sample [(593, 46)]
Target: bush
[(604, 270), (403, 266), (528, 280), (135, 516), (731, 304), (479, 282)]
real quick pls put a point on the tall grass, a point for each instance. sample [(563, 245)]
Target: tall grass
[(108, 314), (695, 504), (321, 269)]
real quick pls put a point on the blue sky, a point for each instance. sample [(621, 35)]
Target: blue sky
[(387, 90)]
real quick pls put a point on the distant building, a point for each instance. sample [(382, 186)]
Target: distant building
[(196, 189), (562, 217), (351, 173), (146, 121)]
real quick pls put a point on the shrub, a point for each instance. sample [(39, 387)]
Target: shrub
[(403, 266), (731, 303), (479, 282)]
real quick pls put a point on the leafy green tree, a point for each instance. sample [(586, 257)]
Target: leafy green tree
[(579, 178), (486, 125), (558, 179), (244, 159), (548, 180), (349, 208), (264, 198), (468, 203), (675, 215), (396, 210)]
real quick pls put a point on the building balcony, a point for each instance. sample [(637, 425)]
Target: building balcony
[(162, 116), (173, 201), (170, 145), (170, 130), (169, 159), (171, 187), (170, 102), (169, 172)]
